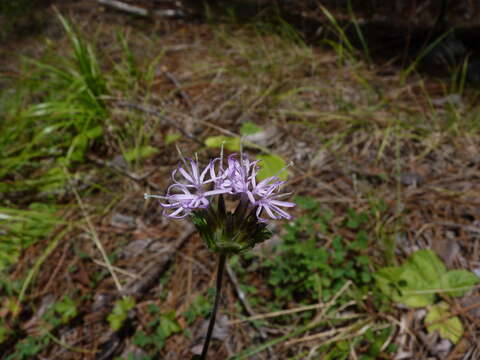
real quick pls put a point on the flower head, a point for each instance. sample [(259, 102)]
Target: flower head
[(193, 190), (188, 194)]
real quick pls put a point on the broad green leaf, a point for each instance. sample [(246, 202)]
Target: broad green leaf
[(272, 165), (249, 128), (462, 280), (439, 318), (428, 266), (139, 153), (171, 138), (229, 142), (415, 290), (404, 285)]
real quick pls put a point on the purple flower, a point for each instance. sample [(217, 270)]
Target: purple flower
[(269, 199), (194, 189), (184, 196)]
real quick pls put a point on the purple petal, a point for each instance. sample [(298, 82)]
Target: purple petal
[(282, 203), (186, 175), (281, 212), (269, 212), (194, 167)]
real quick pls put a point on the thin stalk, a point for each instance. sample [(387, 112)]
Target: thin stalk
[(221, 265)]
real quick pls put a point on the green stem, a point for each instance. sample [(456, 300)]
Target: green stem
[(221, 265)]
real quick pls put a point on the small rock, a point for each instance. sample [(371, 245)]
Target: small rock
[(452, 99), (411, 179), (265, 137)]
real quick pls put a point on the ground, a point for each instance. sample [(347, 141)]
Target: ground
[(384, 164)]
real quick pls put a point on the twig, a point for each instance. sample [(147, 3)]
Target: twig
[(139, 287), (158, 114), (248, 308), (179, 87), (277, 313), (152, 272), (131, 175), (117, 269), (125, 7), (471, 228)]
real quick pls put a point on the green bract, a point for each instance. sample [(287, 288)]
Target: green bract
[(228, 232)]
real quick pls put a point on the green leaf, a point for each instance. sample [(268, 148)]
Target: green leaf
[(439, 318), (66, 308), (141, 339), (272, 165), (414, 290), (462, 280), (94, 132), (171, 138), (139, 152), (3, 333), (120, 312), (229, 142), (428, 265), (169, 324), (401, 285), (306, 203), (249, 128)]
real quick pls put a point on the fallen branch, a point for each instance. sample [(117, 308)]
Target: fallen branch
[(148, 279), (132, 9), (179, 87)]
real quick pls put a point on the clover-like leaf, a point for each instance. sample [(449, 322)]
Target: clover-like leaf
[(120, 312)]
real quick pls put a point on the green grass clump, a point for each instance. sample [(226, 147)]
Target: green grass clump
[(52, 119), (54, 116)]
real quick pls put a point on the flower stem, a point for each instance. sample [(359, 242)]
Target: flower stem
[(221, 265)]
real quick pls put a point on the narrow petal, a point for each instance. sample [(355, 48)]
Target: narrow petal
[(186, 175), (194, 167), (269, 212), (281, 212), (204, 172), (282, 203), (215, 192)]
